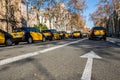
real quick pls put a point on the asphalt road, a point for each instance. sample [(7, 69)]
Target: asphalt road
[(59, 60)]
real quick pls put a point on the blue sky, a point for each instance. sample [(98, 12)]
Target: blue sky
[(91, 8)]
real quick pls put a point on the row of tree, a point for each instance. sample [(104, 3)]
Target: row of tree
[(104, 9), (106, 15), (71, 15)]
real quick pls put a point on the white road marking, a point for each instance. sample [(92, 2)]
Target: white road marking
[(111, 41), (88, 68), (114, 42), (118, 44), (21, 57)]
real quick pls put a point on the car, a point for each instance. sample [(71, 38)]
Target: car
[(51, 34), (97, 33), (6, 38), (27, 34), (76, 34), (63, 34), (67, 35), (84, 34)]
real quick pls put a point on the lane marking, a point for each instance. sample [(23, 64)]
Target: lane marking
[(112, 41), (118, 44), (17, 58), (88, 68)]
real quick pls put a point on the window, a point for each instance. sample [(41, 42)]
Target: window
[(34, 30), (53, 31)]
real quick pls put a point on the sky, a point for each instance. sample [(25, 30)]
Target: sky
[(91, 8)]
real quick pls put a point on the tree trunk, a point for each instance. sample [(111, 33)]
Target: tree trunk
[(7, 21)]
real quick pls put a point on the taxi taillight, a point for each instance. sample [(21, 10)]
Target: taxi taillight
[(94, 30), (104, 31)]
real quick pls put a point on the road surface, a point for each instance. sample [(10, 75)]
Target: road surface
[(59, 60)]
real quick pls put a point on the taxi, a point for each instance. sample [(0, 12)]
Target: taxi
[(51, 34), (27, 34), (5, 38), (76, 34), (98, 33), (84, 34), (63, 34)]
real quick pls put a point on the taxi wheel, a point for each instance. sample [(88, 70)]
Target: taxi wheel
[(44, 39), (8, 42), (52, 38), (72, 37), (89, 38), (104, 39), (16, 43), (60, 38), (30, 40)]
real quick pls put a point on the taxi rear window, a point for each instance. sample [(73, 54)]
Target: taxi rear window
[(17, 30), (46, 31), (77, 32), (53, 31), (99, 28), (0, 30)]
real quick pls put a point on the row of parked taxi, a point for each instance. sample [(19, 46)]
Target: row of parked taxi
[(31, 34)]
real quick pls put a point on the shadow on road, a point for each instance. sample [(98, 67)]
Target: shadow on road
[(41, 70), (102, 48)]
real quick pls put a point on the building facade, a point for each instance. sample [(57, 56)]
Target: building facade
[(10, 14)]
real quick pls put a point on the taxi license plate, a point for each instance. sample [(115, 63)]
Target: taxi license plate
[(99, 36)]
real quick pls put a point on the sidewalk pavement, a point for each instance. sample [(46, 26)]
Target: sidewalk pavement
[(114, 40)]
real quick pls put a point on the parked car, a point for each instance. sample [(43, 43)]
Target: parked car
[(84, 34), (63, 34), (76, 34), (51, 34), (98, 33), (27, 34), (5, 38)]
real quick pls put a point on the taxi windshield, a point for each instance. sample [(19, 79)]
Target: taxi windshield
[(17, 30)]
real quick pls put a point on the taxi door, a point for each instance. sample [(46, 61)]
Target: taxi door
[(2, 38), (40, 36), (56, 35), (34, 34)]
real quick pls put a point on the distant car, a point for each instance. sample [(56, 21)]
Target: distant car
[(84, 34), (51, 34), (27, 34), (98, 33), (76, 34), (5, 38), (63, 34)]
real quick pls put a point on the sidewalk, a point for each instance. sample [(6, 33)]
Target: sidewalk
[(114, 40)]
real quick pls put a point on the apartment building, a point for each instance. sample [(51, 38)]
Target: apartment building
[(10, 14)]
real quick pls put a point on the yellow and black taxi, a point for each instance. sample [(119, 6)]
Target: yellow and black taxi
[(63, 34), (97, 33), (27, 34), (51, 34), (84, 34), (76, 34), (5, 38)]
